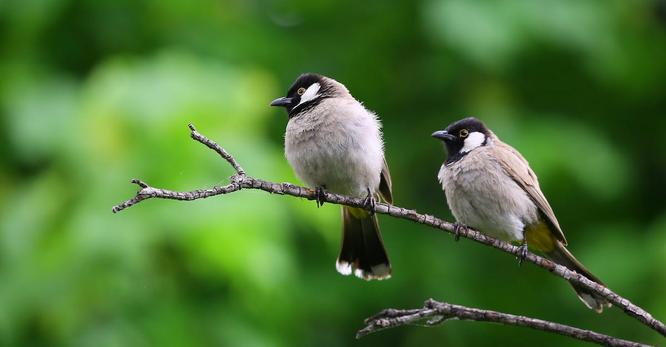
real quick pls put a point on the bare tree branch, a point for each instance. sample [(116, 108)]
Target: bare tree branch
[(241, 180), (439, 312)]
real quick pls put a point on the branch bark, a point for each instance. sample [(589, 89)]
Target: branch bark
[(240, 180), (436, 313)]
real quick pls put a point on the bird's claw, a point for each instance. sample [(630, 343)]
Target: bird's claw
[(370, 202), (522, 253), (458, 228), (320, 196)]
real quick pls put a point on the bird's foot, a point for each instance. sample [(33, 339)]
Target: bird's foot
[(320, 196), (458, 228), (370, 202), (523, 253)]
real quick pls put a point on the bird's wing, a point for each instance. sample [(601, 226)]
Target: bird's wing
[(385, 184), (519, 170)]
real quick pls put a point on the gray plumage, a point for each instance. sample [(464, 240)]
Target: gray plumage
[(481, 194), (336, 144)]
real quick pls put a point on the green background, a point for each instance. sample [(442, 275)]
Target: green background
[(95, 92)]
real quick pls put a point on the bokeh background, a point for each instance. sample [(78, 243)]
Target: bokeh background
[(95, 92)]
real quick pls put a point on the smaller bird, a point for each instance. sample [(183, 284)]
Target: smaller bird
[(334, 143), (490, 187)]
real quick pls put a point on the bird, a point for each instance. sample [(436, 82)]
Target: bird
[(489, 186), (333, 143)]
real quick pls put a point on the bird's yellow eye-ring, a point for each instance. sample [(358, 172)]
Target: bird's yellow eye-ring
[(300, 91), (463, 133)]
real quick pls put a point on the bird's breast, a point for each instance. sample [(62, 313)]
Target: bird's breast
[(480, 194), (338, 148)]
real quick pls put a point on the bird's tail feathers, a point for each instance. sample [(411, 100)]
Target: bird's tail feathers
[(362, 251), (562, 256)]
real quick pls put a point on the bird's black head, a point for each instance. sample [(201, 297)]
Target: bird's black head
[(462, 137), (306, 92)]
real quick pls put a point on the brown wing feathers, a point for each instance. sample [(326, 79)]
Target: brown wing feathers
[(519, 170), (385, 184)]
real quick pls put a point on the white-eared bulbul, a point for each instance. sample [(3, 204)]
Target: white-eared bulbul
[(333, 143), (490, 187)]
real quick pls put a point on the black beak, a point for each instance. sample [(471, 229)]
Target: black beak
[(443, 135), (284, 102)]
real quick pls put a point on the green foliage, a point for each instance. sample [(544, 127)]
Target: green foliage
[(94, 93)]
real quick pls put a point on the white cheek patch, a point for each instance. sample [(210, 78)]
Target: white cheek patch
[(473, 141), (310, 93)]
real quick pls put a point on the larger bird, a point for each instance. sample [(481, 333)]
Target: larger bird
[(490, 187), (333, 143)]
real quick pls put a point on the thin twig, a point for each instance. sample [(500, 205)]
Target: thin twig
[(439, 312), (240, 180), (214, 146)]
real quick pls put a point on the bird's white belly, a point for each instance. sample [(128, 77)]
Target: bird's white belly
[(483, 197), (344, 163)]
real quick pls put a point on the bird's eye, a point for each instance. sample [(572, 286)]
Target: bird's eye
[(300, 91), (463, 133)]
